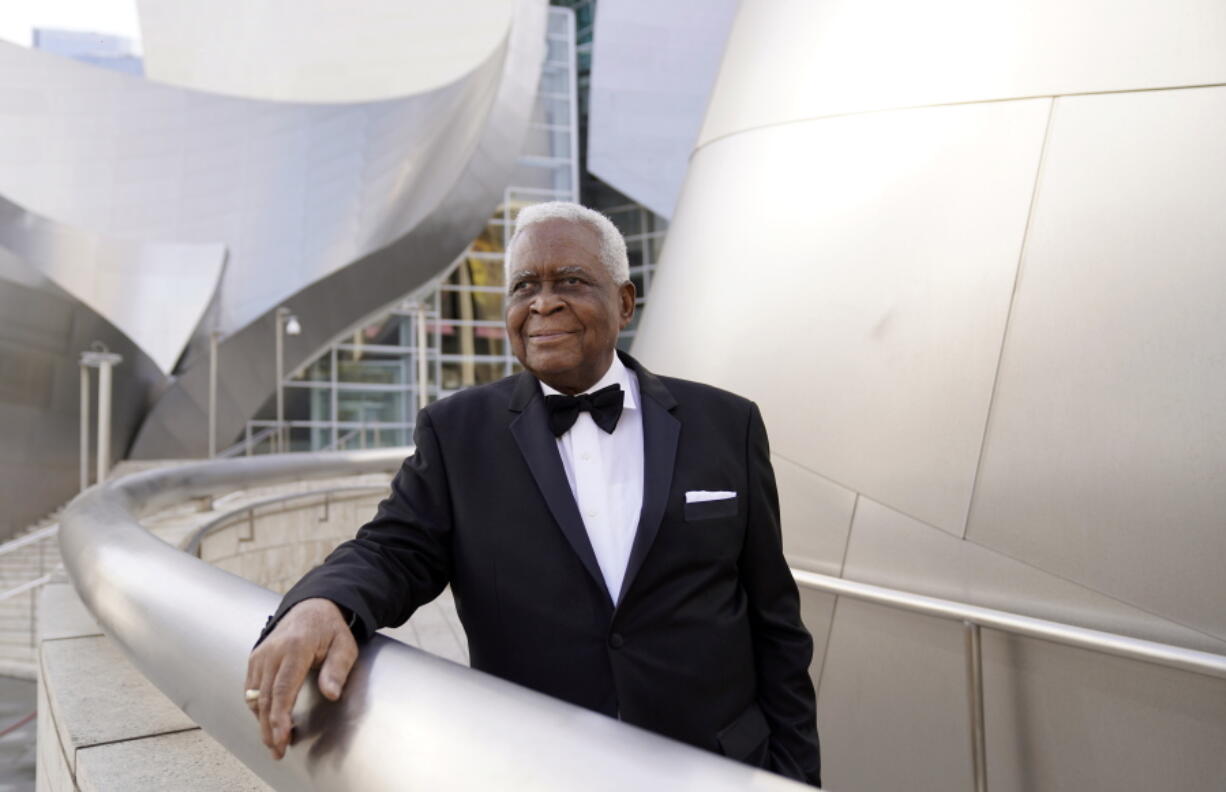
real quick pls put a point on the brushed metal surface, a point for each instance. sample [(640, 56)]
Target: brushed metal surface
[(892, 706), (296, 191), (653, 67), (318, 50), (448, 209), (893, 550), (155, 292), (874, 257), (407, 719), (1105, 458), (43, 331), (1059, 719), (815, 515), (847, 56)]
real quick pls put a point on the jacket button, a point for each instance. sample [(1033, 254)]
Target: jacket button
[(616, 641)]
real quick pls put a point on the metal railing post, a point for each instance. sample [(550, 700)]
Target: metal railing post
[(974, 681), (98, 355), (423, 395), (84, 425), (213, 336)]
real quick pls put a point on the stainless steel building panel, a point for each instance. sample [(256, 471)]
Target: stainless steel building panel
[(795, 59), (1105, 460), (892, 708), (873, 257), (893, 550), (815, 514), (1059, 719), (817, 612)]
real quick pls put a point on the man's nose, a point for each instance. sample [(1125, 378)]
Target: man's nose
[(546, 301)]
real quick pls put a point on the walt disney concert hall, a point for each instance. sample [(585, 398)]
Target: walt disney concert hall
[(968, 259)]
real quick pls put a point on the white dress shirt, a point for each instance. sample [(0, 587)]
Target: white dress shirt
[(605, 472)]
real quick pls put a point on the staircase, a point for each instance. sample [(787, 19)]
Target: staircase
[(25, 559)]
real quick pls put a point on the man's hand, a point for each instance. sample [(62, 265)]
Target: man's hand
[(310, 633)]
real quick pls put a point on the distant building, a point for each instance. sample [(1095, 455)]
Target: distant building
[(116, 53)]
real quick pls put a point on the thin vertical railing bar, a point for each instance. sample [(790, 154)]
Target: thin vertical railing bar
[(974, 680)]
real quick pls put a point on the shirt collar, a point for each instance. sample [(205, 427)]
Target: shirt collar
[(617, 374)]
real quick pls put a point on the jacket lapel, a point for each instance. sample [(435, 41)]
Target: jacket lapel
[(536, 442), (661, 432)]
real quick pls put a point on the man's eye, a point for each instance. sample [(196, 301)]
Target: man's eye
[(572, 281)]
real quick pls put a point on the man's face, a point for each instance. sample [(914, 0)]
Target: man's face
[(563, 309)]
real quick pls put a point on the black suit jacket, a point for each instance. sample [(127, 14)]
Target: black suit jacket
[(706, 644)]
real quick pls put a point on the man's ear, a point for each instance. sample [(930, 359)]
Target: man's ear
[(626, 294)]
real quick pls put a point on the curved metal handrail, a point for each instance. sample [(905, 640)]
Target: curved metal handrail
[(407, 720), (1184, 659)]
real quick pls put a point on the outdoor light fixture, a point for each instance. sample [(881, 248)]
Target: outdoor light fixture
[(286, 323)]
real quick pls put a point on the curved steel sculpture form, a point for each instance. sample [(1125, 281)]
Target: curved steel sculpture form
[(984, 244), (124, 280), (337, 207), (407, 720), (43, 331)]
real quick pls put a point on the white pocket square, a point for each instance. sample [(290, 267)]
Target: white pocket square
[(699, 496)]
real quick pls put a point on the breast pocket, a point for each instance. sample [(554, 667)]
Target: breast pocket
[(711, 509)]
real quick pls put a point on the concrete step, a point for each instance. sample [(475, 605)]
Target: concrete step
[(21, 653), (16, 605)]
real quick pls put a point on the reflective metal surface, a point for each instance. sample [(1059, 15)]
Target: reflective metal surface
[(336, 207), (407, 720), (847, 56), (43, 330), (879, 278), (442, 197), (389, 50), (967, 257), (1105, 457), (653, 65), (121, 279)]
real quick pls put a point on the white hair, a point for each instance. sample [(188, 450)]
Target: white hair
[(612, 245)]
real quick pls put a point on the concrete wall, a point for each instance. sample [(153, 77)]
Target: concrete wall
[(102, 726), (284, 541), (982, 244)]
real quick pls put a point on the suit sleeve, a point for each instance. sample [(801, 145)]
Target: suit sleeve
[(783, 647), (399, 560)]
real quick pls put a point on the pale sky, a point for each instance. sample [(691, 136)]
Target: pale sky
[(19, 17)]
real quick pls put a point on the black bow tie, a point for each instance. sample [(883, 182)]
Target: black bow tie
[(605, 405)]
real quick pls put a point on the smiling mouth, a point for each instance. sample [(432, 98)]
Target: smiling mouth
[(550, 336)]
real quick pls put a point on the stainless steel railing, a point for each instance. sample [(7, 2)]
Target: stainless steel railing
[(29, 578), (973, 618), (191, 545), (407, 720)]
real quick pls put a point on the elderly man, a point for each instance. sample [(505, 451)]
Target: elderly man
[(611, 537)]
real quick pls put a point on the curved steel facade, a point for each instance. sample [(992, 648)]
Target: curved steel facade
[(43, 331), (984, 245), (335, 208)]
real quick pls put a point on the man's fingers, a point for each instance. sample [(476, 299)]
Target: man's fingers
[(285, 686), (335, 670), (263, 705), (252, 682)]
